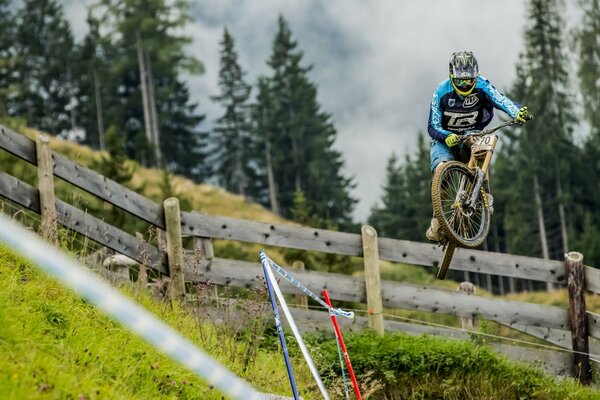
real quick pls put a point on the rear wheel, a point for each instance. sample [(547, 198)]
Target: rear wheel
[(451, 188)]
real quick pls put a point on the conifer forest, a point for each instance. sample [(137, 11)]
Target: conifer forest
[(122, 89)]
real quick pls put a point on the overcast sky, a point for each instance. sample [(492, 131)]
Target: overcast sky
[(375, 63)]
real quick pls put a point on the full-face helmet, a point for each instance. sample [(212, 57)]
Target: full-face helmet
[(464, 71)]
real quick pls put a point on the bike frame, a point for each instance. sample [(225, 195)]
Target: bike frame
[(481, 157)]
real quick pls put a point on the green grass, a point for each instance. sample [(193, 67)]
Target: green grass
[(56, 346)]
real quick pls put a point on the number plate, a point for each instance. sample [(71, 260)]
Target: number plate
[(484, 143)]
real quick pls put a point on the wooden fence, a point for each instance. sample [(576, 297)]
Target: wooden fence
[(550, 323)]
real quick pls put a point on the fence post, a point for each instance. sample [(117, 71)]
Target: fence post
[(174, 248), (468, 323), (204, 247), (118, 267), (578, 317), (372, 278), (49, 227), (142, 280)]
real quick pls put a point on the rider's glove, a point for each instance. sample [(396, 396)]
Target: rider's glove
[(522, 115), (452, 140)]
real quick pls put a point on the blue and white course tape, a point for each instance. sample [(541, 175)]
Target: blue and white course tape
[(124, 310)]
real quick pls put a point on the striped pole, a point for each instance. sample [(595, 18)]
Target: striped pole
[(338, 334), (121, 308), (286, 355), (303, 349)]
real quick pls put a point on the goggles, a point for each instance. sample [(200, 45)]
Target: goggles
[(462, 83)]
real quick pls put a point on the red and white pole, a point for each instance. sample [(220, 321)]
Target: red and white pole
[(340, 339)]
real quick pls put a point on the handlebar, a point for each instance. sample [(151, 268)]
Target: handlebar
[(494, 129)]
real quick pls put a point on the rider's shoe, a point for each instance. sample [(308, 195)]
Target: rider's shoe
[(433, 232), (488, 200)]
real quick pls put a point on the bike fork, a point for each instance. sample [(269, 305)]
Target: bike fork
[(478, 184)]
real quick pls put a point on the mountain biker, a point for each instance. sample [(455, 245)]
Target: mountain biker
[(463, 102)]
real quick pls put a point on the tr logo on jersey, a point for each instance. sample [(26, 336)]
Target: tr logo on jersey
[(470, 101), (460, 120)]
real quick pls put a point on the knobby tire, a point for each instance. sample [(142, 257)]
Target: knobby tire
[(456, 227)]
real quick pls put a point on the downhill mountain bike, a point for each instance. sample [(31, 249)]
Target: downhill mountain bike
[(460, 195)]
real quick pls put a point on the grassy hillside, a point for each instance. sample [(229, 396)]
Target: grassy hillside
[(201, 197), (56, 346)]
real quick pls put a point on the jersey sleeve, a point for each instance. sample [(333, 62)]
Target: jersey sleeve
[(434, 124), (499, 100)]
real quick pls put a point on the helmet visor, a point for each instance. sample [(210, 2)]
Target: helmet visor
[(462, 84)]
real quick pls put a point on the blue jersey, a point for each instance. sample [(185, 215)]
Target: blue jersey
[(452, 113)]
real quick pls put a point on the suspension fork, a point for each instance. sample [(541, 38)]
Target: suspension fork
[(477, 188)]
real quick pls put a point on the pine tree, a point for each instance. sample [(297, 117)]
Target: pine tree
[(114, 164), (7, 55), (388, 218), (44, 43), (184, 144), (231, 135), (588, 46), (544, 151), (405, 211), (418, 178), (300, 137), (148, 28), (588, 195), (264, 190), (91, 68)]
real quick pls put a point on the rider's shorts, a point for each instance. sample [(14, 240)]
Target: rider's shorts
[(440, 152)]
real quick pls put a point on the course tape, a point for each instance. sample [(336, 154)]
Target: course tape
[(290, 278), (124, 310)]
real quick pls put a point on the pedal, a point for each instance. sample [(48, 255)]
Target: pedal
[(488, 200)]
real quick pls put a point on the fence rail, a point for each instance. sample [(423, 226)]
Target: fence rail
[(547, 322)]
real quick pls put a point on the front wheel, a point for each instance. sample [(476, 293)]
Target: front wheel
[(451, 188)]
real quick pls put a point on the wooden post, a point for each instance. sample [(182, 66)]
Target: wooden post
[(512, 286), (142, 280), (578, 317), (49, 227), (174, 249), (468, 323), (372, 278), (501, 285), (118, 266), (204, 246), (161, 242), (488, 283), (301, 300)]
